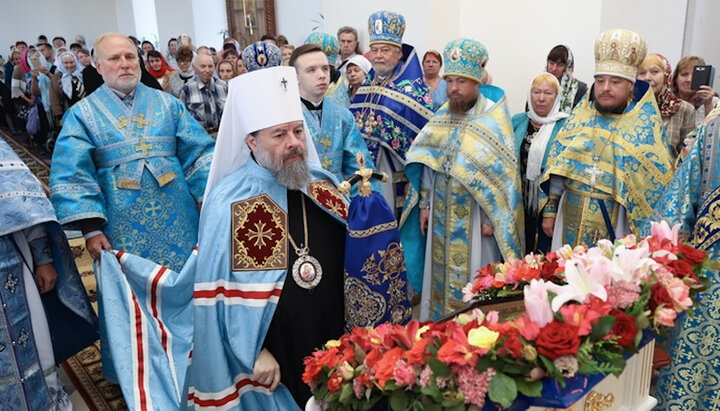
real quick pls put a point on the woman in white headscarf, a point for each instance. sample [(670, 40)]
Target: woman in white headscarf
[(356, 71), (535, 131), (67, 86)]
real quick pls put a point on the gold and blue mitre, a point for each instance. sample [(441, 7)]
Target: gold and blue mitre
[(619, 53), (386, 27), (261, 55), (465, 58), (328, 43)]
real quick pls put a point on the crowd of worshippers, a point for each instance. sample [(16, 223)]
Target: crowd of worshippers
[(52, 76), (468, 183)]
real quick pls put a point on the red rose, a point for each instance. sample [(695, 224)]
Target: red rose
[(624, 327), (547, 270), (659, 295), (512, 346), (335, 382), (692, 255), (557, 339), (679, 267)]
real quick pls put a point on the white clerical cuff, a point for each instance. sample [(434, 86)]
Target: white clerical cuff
[(91, 234)]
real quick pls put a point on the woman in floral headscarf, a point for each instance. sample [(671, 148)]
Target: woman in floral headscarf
[(561, 64), (678, 116)]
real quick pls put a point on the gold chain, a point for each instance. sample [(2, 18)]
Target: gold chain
[(306, 249)]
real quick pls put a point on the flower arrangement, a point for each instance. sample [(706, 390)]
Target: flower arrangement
[(585, 312)]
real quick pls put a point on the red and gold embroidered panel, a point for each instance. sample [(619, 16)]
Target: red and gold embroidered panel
[(259, 232), (326, 194)]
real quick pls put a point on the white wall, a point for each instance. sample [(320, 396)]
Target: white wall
[(174, 18), (210, 21), (26, 19), (703, 33)]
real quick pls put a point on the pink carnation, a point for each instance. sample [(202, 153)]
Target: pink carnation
[(404, 374), (623, 294), (425, 376), (358, 389), (474, 385)]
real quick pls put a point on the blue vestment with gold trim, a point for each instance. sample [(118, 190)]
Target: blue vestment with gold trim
[(619, 159), (376, 287), (391, 112), (474, 159), (140, 168), (692, 199)]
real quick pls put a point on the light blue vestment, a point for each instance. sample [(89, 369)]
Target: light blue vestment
[(242, 266), (141, 169), (337, 140), (692, 199), (24, 206)]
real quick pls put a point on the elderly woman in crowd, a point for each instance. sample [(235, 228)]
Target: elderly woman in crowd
[(535, 131), (66, 87), (184, 72), (703, 99), (159, 69), (431, 64), (561, 64), (678, 115), (356, 71)]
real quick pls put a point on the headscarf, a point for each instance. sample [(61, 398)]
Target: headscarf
[(667, 101), (568, 83), (362, 62), (42, 79), (536, 153), (66, 79), (24, 65), (163, 68)]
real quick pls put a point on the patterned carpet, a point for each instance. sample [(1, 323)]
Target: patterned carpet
[(84, 369)]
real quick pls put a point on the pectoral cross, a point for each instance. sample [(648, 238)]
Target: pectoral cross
[(123, 122), (284, 83), (594, 171), (144, 146), (447, 165), (140, 120)]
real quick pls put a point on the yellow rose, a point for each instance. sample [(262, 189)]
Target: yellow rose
[(332, 343), (346, 371), (482, 337)]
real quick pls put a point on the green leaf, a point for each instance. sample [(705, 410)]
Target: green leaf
[(503, 390), (438, 367), (433, 407), (432, 392), (346, 393), (602, 327), (399, 400), (529, 388)]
